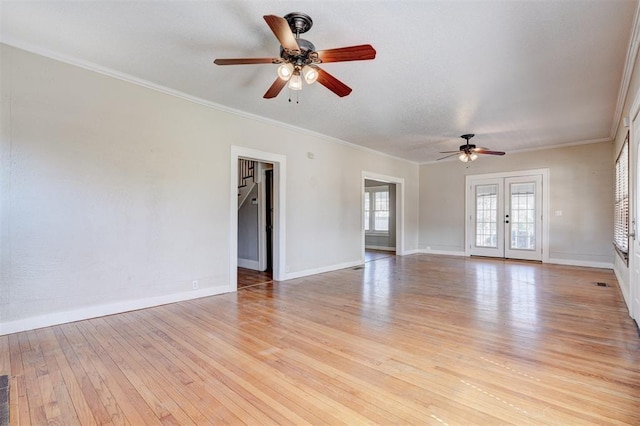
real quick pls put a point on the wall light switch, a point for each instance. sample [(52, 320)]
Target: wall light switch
[(558, 212)]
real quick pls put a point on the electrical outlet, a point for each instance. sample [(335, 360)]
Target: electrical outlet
[(194, 284)]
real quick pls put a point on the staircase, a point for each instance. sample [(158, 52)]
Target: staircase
[(247, 172)]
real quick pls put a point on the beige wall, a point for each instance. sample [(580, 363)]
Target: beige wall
[(115, 196), (580, 185)]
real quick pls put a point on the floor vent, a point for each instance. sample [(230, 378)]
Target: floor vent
[(599, 284)]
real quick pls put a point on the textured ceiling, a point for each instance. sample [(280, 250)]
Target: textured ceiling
[(520, 74)]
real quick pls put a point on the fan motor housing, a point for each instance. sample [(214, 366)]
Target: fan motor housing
[(306, 47), (299, 22)]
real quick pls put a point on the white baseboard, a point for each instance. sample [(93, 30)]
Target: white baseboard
[(585, 263), (307, 272), (56, 318), (568, 262), (249, 264), (623, 290), (380, 248), (442, 252), (408, 252)]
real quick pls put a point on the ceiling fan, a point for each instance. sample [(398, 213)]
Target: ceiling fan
[(468, 151), (299, 58)]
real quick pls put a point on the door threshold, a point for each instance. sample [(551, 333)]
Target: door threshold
[(505, 259)]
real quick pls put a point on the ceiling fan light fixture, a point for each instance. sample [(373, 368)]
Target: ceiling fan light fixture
[(473, 156), (310, 74), (464, 157), (285, 71), (295, 83)]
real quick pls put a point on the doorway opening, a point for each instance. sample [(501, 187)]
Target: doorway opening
[(257, 196), (379, 219), (382, 216), (505, 215), (255, 222)]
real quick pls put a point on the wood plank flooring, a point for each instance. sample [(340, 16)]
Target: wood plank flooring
[(416, 339), (249, 277)]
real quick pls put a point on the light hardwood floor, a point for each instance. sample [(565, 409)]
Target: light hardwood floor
[(248, 277), (407, 340)]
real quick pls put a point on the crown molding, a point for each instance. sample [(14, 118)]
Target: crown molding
[(632, 53), (185, 96)]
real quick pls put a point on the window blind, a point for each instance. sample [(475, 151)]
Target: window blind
[(621, 226)]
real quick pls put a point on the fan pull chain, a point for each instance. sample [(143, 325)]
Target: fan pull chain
[(297, 96)]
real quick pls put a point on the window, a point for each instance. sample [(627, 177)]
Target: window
[(376, 209), (487, 216), (621, 216), (523, 212)]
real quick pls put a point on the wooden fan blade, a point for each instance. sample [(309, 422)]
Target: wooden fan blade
[(485, 151), (447, 156), (275, 88), (246, 61), (361, 52), (449, 152), (281, 30), (332, 83)]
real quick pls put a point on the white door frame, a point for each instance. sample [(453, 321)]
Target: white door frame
[(469, 200), (279, 209), (633, 304), (498, 250), (539, 190), (399, 182)]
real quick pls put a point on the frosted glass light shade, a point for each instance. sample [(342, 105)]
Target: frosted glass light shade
[(285, 71), (310, 74), (295, 83)]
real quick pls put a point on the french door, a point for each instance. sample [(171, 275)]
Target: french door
[(506, 217)]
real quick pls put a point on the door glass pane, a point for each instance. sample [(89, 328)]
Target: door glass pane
[(523, 212), (486, 215)]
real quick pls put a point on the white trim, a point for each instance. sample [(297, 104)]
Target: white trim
[(209, 104), (632, 53), (279, 210), (249, 264), (380, 248), (400, 204), (634, 205), (541, 148), (56, 318), (442, 252), (546, 208), (625, 295), (584, 263), (262, 219), (323, 269), (412, 251)]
